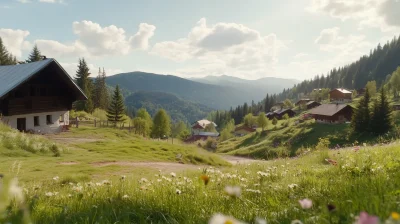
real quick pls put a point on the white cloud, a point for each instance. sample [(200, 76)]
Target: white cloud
[(24, 1), (330, 40), (223, 48), (51, 1), (383, 14), (141, 39), (71, 68), (14, 40), (97, 41), (300, 55)]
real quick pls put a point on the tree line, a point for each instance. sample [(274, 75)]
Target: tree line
[(378, 66)]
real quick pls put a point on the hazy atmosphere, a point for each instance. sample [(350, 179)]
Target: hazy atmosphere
[(248, 39)]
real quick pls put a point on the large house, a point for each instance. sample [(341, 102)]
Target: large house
[(199, 126), (340, 95), (332, 113), (37, 96)]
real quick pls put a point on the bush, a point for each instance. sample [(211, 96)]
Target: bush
[(211, 143), (100, 114)]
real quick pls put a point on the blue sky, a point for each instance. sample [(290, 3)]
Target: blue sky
[(247, 39)]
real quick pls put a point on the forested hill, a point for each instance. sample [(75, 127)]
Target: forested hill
[(378, 66), (177, 108), (213, 96)]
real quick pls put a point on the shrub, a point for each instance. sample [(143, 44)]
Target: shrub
[(100, 114), (211, 143), (323, 143)]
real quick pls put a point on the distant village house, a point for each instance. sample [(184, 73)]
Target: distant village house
[(302, 102), (332, 113), (340, 95), (243, 130), (312, 104), (37, 96), (280, 113), (200, 126)]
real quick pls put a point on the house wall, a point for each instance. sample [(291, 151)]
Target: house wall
[(43, 127), (338, 97), (196, 131), (340, 117)]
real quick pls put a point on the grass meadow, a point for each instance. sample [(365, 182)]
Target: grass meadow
[(361, 179)]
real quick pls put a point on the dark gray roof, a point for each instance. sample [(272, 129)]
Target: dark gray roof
[(12, 76), (311, 102), (328, 109)]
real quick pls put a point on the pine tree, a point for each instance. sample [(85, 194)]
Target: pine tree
[(382, 120), (361, 118), (5, 57), (35, 55), (161, 124), (116, 110), (85, 83)]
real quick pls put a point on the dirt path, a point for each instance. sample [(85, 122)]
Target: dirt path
[(235, 160)]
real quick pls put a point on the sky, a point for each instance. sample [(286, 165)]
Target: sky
[(250, 39)]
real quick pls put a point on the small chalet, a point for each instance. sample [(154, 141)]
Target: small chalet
[(312, 104), (332, 113), (37, 96), (280, 113), (302, 101), (243, 130), (340, 95), (200, 125)]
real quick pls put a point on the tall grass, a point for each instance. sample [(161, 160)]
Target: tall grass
[(366, 180), (13, 141)]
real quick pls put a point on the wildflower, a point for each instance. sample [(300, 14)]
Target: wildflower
[(106, 182), (261, 221), (15, 191), (56, 178), (292, 186), (395, 216), (123, 177), (125, 197), (173, 174), (296, 222), (331, 161), (254, 191), (77, 188), (205, 179), (365, 218), (305, 203), (49, 194), (222, 219), (178, 191), (234, 191), (356, 148), (143, 180)]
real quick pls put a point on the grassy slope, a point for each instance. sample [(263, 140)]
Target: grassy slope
[(108, 145), (286, 141), (367, 180)]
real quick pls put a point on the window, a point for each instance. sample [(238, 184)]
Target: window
[(49, 119), (36, 121)]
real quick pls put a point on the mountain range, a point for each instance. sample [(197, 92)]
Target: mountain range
[(192, 98)]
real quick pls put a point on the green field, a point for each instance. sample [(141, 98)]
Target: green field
[(106, 175)]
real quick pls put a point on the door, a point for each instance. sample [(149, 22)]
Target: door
[(21, 124)]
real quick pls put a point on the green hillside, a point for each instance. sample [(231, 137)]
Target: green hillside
[(213, 96), (177, 108)]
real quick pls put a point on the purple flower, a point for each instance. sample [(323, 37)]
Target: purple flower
[(365, 218)]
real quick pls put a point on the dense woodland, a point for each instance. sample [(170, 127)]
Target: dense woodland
[(378, 66)]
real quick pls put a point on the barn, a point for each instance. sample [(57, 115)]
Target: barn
[(332, 113), (36, 97)]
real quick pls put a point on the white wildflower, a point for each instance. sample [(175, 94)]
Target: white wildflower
[(222, 219), (173, 174), (178, 191), (233, 191), (15, 191), (305, 203), (56, 178), (125, 197)]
